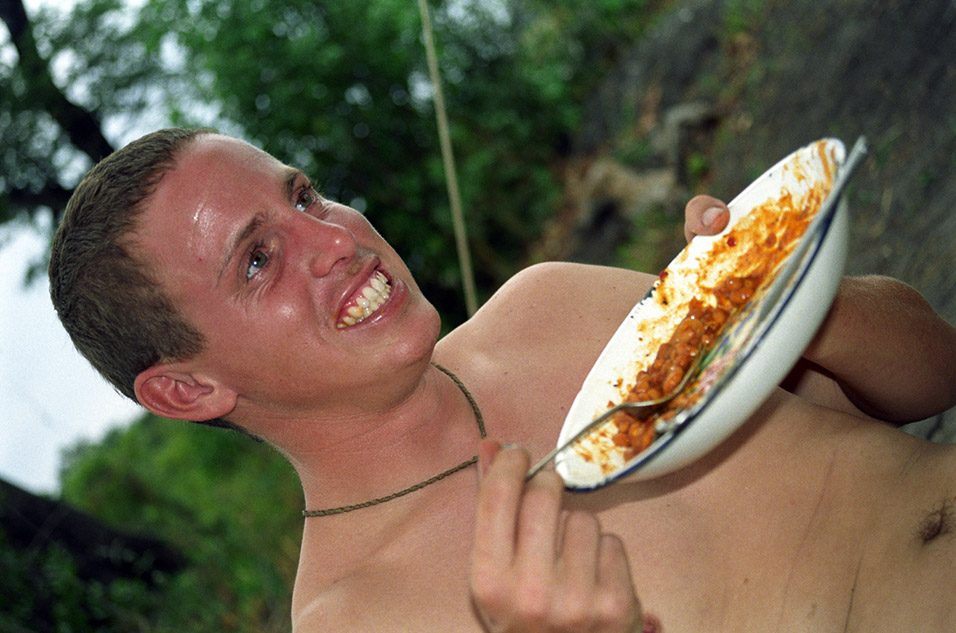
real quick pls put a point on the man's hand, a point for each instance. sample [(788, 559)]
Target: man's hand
[(705, 215), (537, 568)]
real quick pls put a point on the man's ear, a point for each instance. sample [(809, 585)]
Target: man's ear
[(170, 392)]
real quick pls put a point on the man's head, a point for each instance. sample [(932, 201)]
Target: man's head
[(283, 303), (111, 305)]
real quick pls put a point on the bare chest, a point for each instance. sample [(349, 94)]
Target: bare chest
[(409, 574), (835, 546)]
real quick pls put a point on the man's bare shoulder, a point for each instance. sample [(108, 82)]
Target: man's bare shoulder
[(557, 279), (549, 300), (540, 333)]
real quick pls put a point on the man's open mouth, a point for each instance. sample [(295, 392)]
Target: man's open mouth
[(366, 300)]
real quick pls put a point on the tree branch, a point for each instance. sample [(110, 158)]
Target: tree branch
[(30, 521), (82, 126), (52, 195)]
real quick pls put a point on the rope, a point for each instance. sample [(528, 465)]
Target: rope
[(448, 160)]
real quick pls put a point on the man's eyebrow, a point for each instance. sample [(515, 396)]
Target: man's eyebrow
[(292, 174), (251, 227)]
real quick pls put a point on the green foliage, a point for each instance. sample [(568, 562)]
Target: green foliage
[(231, 505), (43, 592), (341, 90), (696, 167), (352, 106), (657, 236), (100, 63), (740, 16)]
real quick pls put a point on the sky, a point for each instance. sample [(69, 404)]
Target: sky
[(50, 396)]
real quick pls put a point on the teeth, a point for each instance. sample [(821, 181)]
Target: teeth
[(369, 300)]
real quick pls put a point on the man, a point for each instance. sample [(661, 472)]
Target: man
[(287, 315)]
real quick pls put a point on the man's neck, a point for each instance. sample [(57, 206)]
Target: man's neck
[(427, 428)]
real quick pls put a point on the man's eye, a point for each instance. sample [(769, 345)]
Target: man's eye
[(257, 262), (306, 199)]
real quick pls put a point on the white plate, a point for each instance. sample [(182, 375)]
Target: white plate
[(758, 348)]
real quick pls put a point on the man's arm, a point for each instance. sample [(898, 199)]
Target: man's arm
[(882, 350), (891, 354)]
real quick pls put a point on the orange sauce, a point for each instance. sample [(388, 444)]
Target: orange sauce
[(750, 253)]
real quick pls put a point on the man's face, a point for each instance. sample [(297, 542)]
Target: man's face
[(303, 305)]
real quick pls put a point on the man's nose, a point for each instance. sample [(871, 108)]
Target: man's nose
[(328, 245)]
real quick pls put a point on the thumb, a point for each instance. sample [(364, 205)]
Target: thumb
[(705, 215)]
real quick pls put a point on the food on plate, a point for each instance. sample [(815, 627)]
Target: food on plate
[(696, 333), (694, 306)]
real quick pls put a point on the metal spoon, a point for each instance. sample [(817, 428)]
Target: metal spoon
[(691, 371)]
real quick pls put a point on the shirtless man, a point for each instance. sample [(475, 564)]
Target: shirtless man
[(814, 516)]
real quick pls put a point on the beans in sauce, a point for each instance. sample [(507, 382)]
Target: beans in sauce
[(696, 333)]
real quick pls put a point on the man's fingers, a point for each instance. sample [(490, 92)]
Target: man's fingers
[(487, 449), (538, 524), (579, 557), (618, 600), (593, 588), (499, 499), (705, 215), (536, 567)]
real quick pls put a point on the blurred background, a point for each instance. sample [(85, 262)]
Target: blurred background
[(580, 130)]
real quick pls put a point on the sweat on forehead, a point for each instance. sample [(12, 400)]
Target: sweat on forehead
[(213, 147), (221, 166)]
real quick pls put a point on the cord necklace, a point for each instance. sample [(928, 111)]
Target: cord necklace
[(422, 484)]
